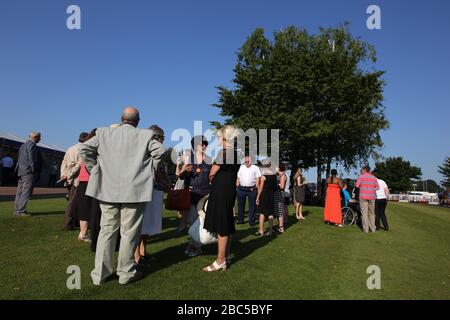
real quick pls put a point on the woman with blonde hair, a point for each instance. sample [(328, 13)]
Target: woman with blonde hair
[(219, 213), (299, 193)]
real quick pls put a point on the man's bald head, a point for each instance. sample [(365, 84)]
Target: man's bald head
[(130, 115)]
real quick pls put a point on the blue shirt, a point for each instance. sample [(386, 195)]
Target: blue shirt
[(346, 197)]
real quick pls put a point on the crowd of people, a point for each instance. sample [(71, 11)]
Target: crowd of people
[(116, 184), (369, 201)]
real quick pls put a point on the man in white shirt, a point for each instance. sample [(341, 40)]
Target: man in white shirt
[(247, 186), (380, 205), (7, 165)]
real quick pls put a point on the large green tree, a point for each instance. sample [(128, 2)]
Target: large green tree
[(397, 173), (315, 89), (444, 169)]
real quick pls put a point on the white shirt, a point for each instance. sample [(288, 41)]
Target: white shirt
[(248, 175), (7, 162), (381, 193)]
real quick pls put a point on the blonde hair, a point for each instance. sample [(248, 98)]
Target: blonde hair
[(228, 133), (298, 173)]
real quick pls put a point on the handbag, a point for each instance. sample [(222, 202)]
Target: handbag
[(178, 199), (196, 230)]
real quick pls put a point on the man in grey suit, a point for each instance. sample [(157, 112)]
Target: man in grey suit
[(121, 162), (28, 168)]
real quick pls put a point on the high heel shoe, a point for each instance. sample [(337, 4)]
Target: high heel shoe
[(216, 267)]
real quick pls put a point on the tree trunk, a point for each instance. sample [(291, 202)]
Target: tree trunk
[(328, 172), (319, 179)]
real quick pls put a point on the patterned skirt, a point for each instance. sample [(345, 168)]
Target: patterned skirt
[(278, 203)]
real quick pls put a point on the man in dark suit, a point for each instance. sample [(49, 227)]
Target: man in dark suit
[(28, 167)]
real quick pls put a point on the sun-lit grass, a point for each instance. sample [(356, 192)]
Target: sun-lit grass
[(310, 261)]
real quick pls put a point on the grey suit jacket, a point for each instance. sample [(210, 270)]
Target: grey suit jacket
[(122, 162), (28, 160)]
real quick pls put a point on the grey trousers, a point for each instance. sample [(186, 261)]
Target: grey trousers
[(128, 217), (23, 193), (368, 215), (69, 222)]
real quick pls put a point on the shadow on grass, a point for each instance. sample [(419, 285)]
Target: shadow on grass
[(173, 255), (48, 213), (171, 223)]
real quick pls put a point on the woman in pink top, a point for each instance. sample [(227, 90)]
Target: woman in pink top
[(83, 205)]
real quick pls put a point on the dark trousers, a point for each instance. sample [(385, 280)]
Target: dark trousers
[(23, 193), (380, 213), (69, 222), (241, 195)]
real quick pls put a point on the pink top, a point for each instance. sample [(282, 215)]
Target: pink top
[(84, 174), (368, 185)]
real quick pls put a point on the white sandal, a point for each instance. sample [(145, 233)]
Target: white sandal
[(216, 267)]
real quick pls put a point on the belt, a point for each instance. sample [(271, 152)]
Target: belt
[(247, 188)]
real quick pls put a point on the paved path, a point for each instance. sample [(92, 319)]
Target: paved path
[(8, 193)]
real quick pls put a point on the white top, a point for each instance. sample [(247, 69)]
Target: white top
[(287, 188), (7, 162), (381, 193), (248, 175)]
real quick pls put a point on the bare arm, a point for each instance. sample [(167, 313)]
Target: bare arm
[(260, 188), (214, 169), (282, 183)]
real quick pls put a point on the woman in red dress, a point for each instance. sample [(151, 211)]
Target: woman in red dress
[(333, 211)]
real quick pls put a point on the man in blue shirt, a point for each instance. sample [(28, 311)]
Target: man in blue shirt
[(28, 167)]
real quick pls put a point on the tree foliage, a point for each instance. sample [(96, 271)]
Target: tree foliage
[(397, 173), (321, 90), (444, 169)]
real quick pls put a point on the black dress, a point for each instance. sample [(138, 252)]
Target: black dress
[(267, 196), (219, 212)]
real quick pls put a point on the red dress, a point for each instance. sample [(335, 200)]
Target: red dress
[(333, 211)]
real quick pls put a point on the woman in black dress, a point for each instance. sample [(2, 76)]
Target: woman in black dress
[(219, 213), (265, 200)]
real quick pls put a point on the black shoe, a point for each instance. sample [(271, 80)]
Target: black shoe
[(386, 229)]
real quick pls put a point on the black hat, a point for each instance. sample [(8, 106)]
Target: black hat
[(83, 136)]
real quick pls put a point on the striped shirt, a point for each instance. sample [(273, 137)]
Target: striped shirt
[(368, 186)]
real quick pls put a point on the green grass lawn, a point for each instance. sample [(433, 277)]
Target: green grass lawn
[(310, 261)]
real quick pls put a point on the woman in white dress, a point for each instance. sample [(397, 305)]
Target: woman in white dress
[(152, 220)]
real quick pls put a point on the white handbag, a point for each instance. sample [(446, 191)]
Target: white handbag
[(196, 231)]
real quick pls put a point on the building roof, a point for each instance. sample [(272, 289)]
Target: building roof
[(19, 140)]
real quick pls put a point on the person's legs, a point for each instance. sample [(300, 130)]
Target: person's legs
[(377, 213), (270, 225), (261, 224), (252, 207), (300, 210), (26, 192), (372, 215), (297, 210), (18, 196), (383, 217), (83, 229), (364, 204), (68, 220), (131, 215), (281, 223), (240, 196), (106, 242)]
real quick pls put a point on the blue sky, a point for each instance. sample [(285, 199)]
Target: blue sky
[(167, 57)]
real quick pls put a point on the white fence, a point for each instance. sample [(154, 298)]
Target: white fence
[(416, 197)]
